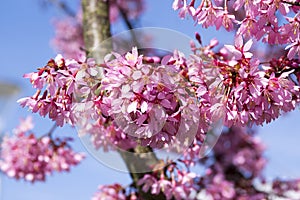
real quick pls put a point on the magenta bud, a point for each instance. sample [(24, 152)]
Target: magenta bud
[(198, 38), (149, 59), (156, 59)]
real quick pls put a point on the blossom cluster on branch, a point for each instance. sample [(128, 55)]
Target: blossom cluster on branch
[(24, 156), (170, 102), (145, 102), (134, 100), (249, 91), (250, 19), (233, 170)]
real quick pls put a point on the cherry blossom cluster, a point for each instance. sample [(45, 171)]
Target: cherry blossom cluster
[(68, 38), (147, 101), (24, 156), (172, 182), (55, 84), (242, 149), (230, 169), (63, 87), (247, 91), (133, 98), (257, 19), (234, 169)]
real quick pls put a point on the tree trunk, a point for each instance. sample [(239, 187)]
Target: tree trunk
[(96, 29)]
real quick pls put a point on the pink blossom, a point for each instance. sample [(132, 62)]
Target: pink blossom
[(291, 29), (247, 94), (132, 8), (55, 85), (180, 184), (220, 188), (226, 20), (259, 19), (207, 16), (68, 38), (109, 192), (248, 27), (23, 156)]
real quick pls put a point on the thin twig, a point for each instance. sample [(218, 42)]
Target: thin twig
[(63, 7), (292, 3), (50, 132), (129, 25)]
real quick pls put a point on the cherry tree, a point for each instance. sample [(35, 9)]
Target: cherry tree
[(141, 101)]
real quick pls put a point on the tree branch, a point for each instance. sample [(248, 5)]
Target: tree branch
[(129, 26), (292, 3)]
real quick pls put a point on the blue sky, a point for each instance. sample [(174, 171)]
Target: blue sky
[(26, 31)]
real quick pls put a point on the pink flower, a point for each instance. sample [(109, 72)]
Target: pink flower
[(231, 84), (110, 192), (240, 50), (180, 184), (226, 20), (207, 16), (147, 181), (248, 27), (25, 125)]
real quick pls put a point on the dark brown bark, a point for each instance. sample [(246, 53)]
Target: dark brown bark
[(96, 29)]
